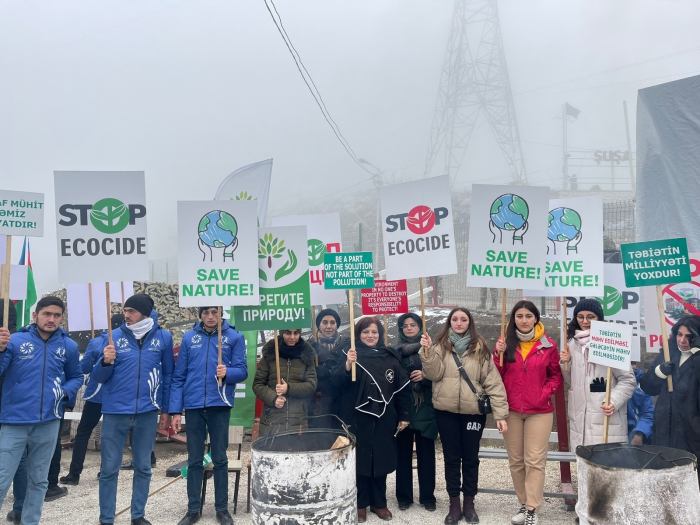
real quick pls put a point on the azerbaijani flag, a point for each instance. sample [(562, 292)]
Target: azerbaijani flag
[(23, 307)]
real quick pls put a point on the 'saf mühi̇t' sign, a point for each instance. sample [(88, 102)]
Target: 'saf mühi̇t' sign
[(348, 270), (101, 226), (21, 213), (654, 263), (610, 345), (386, 298)]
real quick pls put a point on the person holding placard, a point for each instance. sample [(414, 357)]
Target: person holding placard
[(531, 375), (586, 404), (330, 348), (677, 414), (423, 429), (136, 374), (375, 408), (207, 404), (285, 397), (43, 376)]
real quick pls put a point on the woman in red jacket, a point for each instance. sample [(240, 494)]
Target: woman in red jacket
[(531, 375)]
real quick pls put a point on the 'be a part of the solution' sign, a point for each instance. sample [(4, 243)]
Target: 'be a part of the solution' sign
[(610, 345), (653, 263), (21, 213), (101, 226), (217, 253), (348, 270)]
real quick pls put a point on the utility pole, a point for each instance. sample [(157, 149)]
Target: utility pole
[(629, 150)]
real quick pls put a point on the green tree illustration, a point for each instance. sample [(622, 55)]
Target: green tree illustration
[(270, 247)]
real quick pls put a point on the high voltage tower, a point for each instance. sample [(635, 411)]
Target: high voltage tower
[(473, 79)]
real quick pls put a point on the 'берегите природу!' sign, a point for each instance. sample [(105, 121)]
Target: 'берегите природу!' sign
[(654, 263), (348, 270)]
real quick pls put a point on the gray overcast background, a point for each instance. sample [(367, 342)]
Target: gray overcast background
[(188, 91)]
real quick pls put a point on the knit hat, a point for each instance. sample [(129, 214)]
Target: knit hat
[(589, 305), (117, 320), (324, 313), (202, 308), (140, 302)]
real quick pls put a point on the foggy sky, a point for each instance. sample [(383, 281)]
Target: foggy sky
[(188, 91)]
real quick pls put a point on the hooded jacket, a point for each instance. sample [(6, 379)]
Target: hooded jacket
[(586, 417), (640, 411), (195, 384), (139, 380), (300, 375), (42, 377)]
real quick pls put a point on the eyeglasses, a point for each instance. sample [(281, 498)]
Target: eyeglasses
[(587, 318)]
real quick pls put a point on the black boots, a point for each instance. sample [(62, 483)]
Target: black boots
[(469, 511), (455, 513)]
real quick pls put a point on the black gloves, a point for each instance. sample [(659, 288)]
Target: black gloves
[(667, 368), (693, 338), (598, 384)]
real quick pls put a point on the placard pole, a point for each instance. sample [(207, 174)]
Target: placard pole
[(218, 331), (422, 311), (664, 331), (386, 330), (563, 331), (315, 328), (6, 284), (277, 359), (123, 298), (351, 300), (503, 322), (109, 314), (92, 315), (608, 388)]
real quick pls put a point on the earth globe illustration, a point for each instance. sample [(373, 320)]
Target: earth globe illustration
[(509, 212), (564, 225), (218, 229)]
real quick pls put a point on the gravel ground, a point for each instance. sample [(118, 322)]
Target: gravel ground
[(80, 506)]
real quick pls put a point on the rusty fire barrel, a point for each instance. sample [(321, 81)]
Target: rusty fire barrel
[(636, 485), (298, 480)]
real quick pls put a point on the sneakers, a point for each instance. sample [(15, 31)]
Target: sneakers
[(70, 479), (223, 517), (13, 517), (189, 519), (531, 518), (55, 492), (519, 518)]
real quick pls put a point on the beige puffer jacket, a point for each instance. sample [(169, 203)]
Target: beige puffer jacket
[(452, 393), (586, 418)]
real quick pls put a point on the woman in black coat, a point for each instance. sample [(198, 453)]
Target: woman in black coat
[(374, 407), (677, 413)]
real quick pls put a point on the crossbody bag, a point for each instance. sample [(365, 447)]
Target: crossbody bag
[(483, 400)]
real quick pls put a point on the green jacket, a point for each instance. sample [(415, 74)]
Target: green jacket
[(423, 414)]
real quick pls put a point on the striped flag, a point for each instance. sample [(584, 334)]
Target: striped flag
[(23, 307)]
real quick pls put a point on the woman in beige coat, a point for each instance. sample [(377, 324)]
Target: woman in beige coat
[(586, 406), (456, 407)]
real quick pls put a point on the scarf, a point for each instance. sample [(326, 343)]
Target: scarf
[(583, 337), (460, 342), (414, 339), (328, 343), (380, 375), (141, 328), (409, 352), (529, 340), (290, 352)]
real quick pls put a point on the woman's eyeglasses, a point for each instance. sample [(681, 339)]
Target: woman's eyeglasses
[(580, 318)]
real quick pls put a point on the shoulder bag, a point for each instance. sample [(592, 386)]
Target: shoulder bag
[(483, 400)]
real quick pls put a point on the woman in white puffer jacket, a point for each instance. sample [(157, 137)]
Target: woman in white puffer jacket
[(586, 401)]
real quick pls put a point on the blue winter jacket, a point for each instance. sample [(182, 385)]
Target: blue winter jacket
[(139, 379), (42, 377), (93, 352), (640, 411), (195, 384)]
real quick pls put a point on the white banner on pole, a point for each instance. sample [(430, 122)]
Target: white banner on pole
[(78, 303), (418, 232), (508, 236), (574, 264), (323, 232), (251, 182), (217, 253), (18, 281), (610, 345), (21, 213), (101, 226)]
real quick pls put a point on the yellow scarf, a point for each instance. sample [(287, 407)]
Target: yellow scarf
[(526, 346)]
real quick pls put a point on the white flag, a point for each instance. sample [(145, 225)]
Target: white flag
[(249, 183)]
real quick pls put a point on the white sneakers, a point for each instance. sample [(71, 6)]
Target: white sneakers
[(531, 518), (519, 518)]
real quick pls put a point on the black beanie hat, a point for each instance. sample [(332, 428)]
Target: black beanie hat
[(117, 320), (202, 308), (415, 317), (140, 302), (589, 305), (324, 313)]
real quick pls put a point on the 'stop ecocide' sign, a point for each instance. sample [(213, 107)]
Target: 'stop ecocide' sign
[(653, 263), (348, 270), (21, 213)]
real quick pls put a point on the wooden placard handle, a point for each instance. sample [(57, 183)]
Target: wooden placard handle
[(351, 300), (503, 323), (664, 332), (218, 331), (563, 331), (277, 359), (6, 284), (422, 312), (109, 314), (608, 388), (386, 330)]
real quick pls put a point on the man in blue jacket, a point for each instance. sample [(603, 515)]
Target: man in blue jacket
[(135, 372), (640, 413), (43, 375), (207, 405)]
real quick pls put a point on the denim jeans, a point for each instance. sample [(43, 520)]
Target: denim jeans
[(39, 441), (92, 412), (115, 428), (19, 484), (55, 467), (198, 422)]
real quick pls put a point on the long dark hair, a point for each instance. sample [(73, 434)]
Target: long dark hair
[(691, 322), (512, 340), (366, 322), (443, 338)]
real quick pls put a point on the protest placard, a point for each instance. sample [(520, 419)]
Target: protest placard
[(418, 230), (386, 298), (508, 236), (574, 262), (87, 306), (21, 213), (323, 232), (217, 253), (284, 282), (348, 270)]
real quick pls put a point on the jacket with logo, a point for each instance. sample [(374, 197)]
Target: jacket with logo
[(42, 377), (139, 380), (93, 352), (194, 383)]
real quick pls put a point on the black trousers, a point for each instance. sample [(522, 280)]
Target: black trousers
[(88, 421), (425, 450), (371, 491), (460, 435), (55, 467)]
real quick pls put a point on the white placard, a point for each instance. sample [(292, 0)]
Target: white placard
[(508, 236), (610, 345), (18, 281), (78, 303), (323, 232), (252, 183), (679, 300), (574, 264), (418, 232), (217, 253), (101, 226), (21, 213), (621, 305)]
